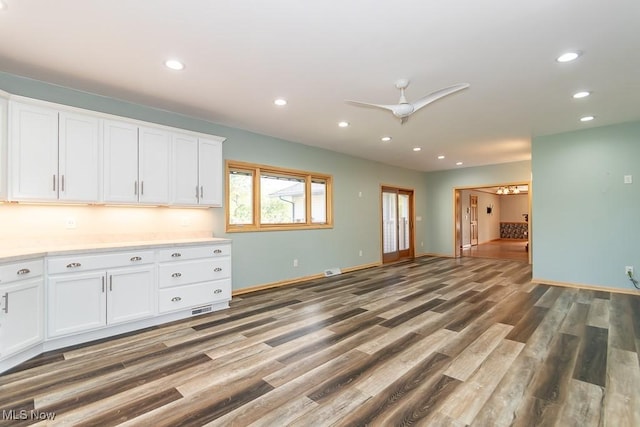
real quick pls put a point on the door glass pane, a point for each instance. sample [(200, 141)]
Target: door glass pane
[(403, 218), (389, 226)]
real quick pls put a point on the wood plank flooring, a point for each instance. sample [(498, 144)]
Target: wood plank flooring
[(430, 342), (514, 249)]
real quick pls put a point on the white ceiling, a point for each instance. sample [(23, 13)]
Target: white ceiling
[(242, 54)]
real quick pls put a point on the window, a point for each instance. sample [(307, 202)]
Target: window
[(269, 198)]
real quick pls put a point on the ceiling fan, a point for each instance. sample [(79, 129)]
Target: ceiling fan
[(404, 109)]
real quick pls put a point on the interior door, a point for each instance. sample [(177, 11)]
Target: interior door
[(473, 216), (397, 224)]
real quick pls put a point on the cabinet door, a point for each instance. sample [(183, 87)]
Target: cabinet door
[(34, 152), (130, 294), (210, 172), (120, 161), (21, 316), (185, 170), (79, 159), (154, 155), (76, 302), (3, 149)]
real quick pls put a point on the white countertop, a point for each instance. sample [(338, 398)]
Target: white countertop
[(18, 253)]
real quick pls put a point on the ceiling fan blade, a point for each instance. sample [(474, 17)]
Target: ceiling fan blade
[(366, 104), (434, 96)]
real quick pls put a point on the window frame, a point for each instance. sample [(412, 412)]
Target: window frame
[(258, 170)]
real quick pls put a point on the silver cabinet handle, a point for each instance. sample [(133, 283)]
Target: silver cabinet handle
[(74, 265), (176, 255), (54, 182), (197, 193), (23, 271), (62, 183), (217, 291), (217, 251), (142, 188), (6, 302), (217, 269), (103, 284), (135, 188), (110, 283), (176, 299), (136, 258), (176, 275)]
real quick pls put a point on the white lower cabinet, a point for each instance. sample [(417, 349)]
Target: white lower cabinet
[(191, 277), (83, 301), (21, 306)]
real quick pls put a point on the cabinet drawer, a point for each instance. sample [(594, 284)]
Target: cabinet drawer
[(187, 296), (188, 272), (20, 270), (192, 252), (70, 264)]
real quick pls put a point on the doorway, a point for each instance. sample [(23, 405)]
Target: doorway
[(397, 224), (493, 221)]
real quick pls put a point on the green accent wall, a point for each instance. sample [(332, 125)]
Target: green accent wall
[(586, 220)]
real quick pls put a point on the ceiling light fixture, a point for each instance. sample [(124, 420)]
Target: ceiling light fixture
[(582, 94), (385, 139), (568, 57), (343, 124), (3, 5), (417, 148), (174, 64), (280, 102), (440, 157), (586, 118), (511, 189)]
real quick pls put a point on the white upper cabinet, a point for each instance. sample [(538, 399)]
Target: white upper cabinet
[(197, 171), (136, 164), (3, 147), (210, 171), (154, 151), (54, 155), (33, 151), (186, 187), (120, 162), (79, 158)]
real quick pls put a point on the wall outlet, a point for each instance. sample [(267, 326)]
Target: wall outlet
[(360, 252), (295, 262), (70, 223), (628, 270)]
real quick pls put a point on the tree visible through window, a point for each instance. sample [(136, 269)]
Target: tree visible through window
[(267, 198)]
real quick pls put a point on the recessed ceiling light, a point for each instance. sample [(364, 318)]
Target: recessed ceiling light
[(3, 5), (343, 124), (280, 102), (568, 56), (582, 94), (386, 138), (586, 118), (440, 157), (174, 64), (417, 148), (458, 163)]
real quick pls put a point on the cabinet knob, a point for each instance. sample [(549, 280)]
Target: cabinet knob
[(176, 299), (74, 265), (217, 269), (176, 275), (136, 258), (217, 291), (176, 255), (23, 271), (6, 302), (217, 251)]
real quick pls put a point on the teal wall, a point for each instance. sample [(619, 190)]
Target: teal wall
[(266, 257), (440, 192), (586, 225)]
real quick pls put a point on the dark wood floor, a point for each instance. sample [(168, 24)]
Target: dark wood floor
[(435, 341)]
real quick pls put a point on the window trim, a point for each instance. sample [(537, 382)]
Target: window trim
[(258, 170)]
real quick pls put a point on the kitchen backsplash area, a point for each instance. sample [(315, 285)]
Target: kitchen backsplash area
[(46, 226)]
